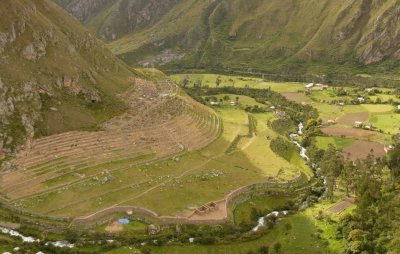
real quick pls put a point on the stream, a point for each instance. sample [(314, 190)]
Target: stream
[(303, 154), (30, 239)]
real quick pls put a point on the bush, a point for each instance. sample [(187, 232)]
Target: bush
[(283, 126), (264, 250), (277, 247), (283, 148)]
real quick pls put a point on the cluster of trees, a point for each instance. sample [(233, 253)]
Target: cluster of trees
[(283, 148), (374, 225), (294, 111), (255, 109)]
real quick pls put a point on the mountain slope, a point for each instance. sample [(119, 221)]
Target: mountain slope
[(111, 19), (283, 36), (54, 76)]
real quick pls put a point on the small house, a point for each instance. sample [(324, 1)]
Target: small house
[(310, 85), (361, 99), (368, 126), (330, 122), (388, 148), (233, 103), (358, 124), (322, 86), (273, 107), (340, 104), (214, 103)]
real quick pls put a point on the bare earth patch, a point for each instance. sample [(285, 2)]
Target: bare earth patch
[(297, 97), (115, 227), (341, 206), (360, 149), (348, 132), (351, 118)]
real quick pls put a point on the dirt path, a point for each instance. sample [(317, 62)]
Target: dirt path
[(251, 141)]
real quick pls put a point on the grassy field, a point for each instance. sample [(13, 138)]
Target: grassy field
[(239, 81), (189, 180), (242, 213), (389, 123), (338, 142)]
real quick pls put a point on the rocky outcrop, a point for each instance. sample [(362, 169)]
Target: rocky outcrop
[(383, 40), (19, 109)]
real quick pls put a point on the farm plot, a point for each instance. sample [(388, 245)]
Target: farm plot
[(359, 134), (387, 122), (360, 149), (338, 142), (297, 97), (350, 118)]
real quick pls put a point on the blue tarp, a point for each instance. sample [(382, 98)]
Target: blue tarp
[(124, 221)]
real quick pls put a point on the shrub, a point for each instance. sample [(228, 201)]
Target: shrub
[(283, 148), (277, 247)]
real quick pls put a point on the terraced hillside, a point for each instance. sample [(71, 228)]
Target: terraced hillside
[(277, 36), (160, 123)]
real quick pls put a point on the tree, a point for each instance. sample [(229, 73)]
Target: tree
[(332, 166), (277, 247), (198, 83), (264, 250), (255, 214), (347, 176), (394, 163), (218, 81), (185, 81)]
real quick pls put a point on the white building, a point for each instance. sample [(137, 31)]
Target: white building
[(310, 85), (358, 124), (361, 99)]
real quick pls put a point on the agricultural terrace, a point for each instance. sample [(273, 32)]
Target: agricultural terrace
[(169, 168), (162, 123), (340, 108)]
